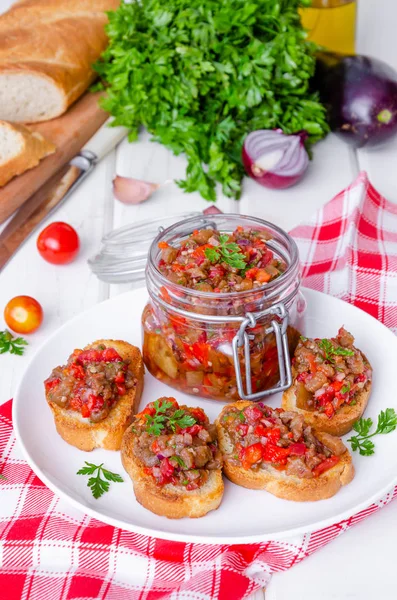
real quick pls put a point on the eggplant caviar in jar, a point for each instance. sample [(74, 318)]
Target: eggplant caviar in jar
[(210, 279)]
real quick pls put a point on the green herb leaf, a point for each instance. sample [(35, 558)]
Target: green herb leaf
[(228, 252), (330, 350), (11, 344), (345, 389), (200, 76), (179, 461), (160, 420), (3, 477), (387, 422), (212, 254), (98, 485), (363, 426)]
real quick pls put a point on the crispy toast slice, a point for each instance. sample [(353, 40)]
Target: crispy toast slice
[(278, 482), (172, 501), (342, 421), (107, 434)]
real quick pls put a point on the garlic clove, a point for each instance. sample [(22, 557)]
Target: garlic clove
[(132, 191)]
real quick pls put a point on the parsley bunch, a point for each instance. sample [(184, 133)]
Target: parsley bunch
[(229, 253), (202, 75), (160, 420), (387, 422), (11, 344)]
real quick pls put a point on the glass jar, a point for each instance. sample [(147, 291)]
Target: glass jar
[(223, 346)]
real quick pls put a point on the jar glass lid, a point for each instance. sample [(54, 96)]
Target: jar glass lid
[(123, 254)]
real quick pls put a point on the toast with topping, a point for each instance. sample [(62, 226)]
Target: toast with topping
[(332, 383), (95, 395), (171, 454), (275, 450)]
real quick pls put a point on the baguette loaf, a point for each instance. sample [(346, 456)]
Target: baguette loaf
[(20, 149), (47, 48)]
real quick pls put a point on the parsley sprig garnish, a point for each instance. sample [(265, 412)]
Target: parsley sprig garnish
[(11, 344), (3, 477), (387, 422), (98, 485), (331, 351), (228, 252), (160, 420)]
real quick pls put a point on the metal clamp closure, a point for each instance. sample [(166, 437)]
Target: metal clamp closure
[(279, 328)]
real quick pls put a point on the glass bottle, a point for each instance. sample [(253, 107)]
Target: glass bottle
[(331, 24)]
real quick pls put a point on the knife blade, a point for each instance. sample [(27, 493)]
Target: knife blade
[(57, 190)]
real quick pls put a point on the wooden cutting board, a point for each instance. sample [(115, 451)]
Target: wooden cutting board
[(69, 133)]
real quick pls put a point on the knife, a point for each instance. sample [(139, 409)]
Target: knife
[(57, 190)]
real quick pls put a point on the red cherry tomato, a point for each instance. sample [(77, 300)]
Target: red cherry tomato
[(23, 314), (58, 243)]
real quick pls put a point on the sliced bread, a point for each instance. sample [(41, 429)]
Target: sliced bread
[(20, 149)]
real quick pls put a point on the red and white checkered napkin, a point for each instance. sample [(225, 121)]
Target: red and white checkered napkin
[(51, 551)]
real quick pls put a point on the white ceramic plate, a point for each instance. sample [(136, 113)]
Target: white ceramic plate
[(245, 515)]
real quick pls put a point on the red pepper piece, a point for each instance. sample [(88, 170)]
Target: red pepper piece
[(200, 250), (253, 413), (273, 434), (297, 449), (50, 384), (275, 454), (77, 371), (251, 455), (242, 429), (198, 414), (251, 273), (193, 429), (121, 389), (166, 471), (89, 356), (327, 464), (155, 447), (110, 355)]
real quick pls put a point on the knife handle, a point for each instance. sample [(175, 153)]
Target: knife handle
[(105, 139)]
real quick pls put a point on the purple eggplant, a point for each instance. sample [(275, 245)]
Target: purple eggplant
[(360, 94)]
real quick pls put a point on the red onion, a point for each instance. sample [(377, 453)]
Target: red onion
[(274, 159)]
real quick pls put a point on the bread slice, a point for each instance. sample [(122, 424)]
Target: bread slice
[(170, 500), (20, 149), (342, 421), (107, 434), (278, 482)]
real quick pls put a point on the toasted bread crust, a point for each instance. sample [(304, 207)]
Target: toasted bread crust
[(169, 501), (277, 482), (108, 433), (341, 423)]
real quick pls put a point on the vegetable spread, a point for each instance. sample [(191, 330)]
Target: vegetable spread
[(91, 382), (264, 437), (329, 373), (210, 261), (177, 445)]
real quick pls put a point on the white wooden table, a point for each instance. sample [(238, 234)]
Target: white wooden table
[(359, 564)]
